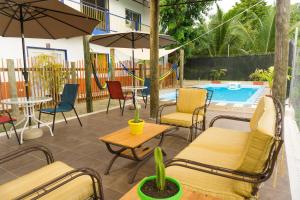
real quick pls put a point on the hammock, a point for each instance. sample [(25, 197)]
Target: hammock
[(173, 69), (102, 87), (98, 83)]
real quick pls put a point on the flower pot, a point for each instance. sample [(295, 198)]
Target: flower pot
[(136, 128), (143, 196)]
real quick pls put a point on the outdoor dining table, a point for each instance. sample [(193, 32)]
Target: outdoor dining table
[(134, 90), (29, 113)]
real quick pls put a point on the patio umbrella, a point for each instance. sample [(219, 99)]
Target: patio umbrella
[(132, 40), (46, 19)]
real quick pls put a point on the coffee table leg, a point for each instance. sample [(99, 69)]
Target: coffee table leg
[(135, 171), (110, 164)]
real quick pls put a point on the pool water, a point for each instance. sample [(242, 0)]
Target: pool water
[(222, 94)]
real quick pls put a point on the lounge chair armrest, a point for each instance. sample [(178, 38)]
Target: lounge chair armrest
[(54, 184), (228, 117), (26, 150), (215, 170), (160, 110), (196, 113)]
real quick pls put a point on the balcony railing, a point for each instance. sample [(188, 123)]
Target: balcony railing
[(100, 14)]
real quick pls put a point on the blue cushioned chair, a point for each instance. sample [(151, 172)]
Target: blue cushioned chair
[(146, 92), (66, 104)]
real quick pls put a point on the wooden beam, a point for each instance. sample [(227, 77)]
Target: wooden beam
[(73, 72), (88, 74), (181, 72), (13, 91), (281, 49), (113, 63), (154, 72)]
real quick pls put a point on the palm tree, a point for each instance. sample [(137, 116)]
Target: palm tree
[(223, 33), (263, 39)]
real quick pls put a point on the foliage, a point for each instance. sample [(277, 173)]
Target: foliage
[(217, 74), (179, 21), (50, 72), (263, 40), (248, 18), (295, 20), (263, 75), (266, 75), (136, 118), (160, 169)]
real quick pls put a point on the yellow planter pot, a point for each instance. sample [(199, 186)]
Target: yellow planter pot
[(136, 128)]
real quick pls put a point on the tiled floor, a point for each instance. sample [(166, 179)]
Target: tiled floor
[(79, 147)]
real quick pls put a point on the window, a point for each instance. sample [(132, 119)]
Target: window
[(133, 19)]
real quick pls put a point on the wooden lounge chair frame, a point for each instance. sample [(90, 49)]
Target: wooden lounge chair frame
[(48, 187), (196, 125), (257, 178)]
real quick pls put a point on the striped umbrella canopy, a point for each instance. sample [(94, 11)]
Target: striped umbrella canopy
[(47, 19)]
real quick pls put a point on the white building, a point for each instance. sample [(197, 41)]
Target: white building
[(114, 16)]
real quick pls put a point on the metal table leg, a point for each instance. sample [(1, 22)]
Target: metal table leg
[(111, 164), (135, 171)]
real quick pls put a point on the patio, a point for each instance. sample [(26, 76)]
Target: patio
[(79, 147)]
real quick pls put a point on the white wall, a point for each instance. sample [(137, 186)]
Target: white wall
[(11, 48), (118, 7)]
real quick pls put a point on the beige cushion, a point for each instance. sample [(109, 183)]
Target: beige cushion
[(189, 99), (80, 188), (258, 146), (205, 183), (211, 157), (260, 140), (221, 139), (179, 119), (257, 113)]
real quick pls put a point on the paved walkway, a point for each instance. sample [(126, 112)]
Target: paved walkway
[(79, 147)]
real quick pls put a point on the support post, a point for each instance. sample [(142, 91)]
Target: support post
[(73, 72), (113, 64), (181, 72), (88, 73), (13, 91), (281, 50), (154, 17)]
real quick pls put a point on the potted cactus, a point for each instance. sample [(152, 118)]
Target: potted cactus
[(136, 124), (159, 186)]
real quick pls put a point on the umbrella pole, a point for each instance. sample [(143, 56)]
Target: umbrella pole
[(133, 46), (25, 73)]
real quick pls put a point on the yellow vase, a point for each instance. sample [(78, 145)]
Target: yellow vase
[(136, 128)]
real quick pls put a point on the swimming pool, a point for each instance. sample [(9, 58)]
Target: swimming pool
[(246, 94)]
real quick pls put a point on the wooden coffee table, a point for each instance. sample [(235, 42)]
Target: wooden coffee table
[(188, 194), (123, 144)]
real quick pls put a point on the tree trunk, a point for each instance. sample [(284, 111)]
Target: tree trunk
[(154, 93), (281, 50), (88, 74)]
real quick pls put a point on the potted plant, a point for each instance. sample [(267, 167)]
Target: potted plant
[(265, 75), (159, 186), (217, 74), (136, 124)]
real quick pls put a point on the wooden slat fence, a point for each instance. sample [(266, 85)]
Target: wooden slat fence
[(38, 85)]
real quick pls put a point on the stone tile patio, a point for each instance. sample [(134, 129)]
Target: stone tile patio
[(79, 147)]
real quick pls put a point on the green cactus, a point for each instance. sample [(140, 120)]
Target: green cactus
[(137, 115), (160, 169)]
